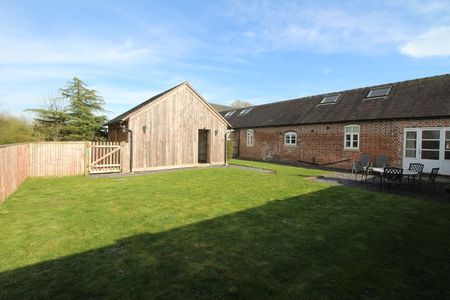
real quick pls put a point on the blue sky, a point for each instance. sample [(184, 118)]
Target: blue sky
[(258, 51)]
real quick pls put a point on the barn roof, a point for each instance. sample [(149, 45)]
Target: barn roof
[(418, 98), (123, 116), (216, 108)]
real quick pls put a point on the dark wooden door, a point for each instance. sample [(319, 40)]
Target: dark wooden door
[(203, 145)]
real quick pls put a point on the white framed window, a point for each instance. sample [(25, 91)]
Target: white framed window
[(447, 145), (431, 144), (411, 144), (290, 138), (351, 137), (249, 137)]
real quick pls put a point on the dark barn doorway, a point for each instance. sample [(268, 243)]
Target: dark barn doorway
[(203, 145)]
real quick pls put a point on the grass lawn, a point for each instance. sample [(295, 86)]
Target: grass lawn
[(220, 233)]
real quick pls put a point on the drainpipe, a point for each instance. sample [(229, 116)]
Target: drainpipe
[(131, 144), (226, 148)]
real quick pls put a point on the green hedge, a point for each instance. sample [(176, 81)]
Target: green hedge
[(229, 149)]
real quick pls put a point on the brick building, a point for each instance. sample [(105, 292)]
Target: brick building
[(408, 121)]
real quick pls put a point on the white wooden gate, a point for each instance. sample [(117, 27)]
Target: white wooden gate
[(104, 157)]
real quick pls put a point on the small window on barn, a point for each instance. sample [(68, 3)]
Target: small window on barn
[(230, 113), (379, 92), (250, 138), (330, 99), (351, 137), (245, 111), (290, 138)]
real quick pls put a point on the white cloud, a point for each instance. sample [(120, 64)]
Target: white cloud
[(72, 50), (432, 43), (273, 26), (249, 34), (326, 70)]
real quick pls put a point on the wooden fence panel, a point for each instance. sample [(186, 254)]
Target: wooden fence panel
[(14, 162), (19, 161), (57, 159)]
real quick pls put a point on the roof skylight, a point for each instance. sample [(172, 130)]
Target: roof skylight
[(330, 98), (245, 111), (230, 113), (379, 92)]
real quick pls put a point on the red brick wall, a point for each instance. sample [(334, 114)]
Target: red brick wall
[(324, 143)]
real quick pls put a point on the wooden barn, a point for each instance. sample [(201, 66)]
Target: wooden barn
[(176, 128)]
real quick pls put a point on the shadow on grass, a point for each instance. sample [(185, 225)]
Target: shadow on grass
[(320, 245), (421, 190)]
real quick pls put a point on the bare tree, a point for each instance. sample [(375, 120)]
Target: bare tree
[(240, 104), (50, 119)]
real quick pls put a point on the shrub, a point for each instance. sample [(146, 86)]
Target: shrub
[(229, 149), (14, 129)]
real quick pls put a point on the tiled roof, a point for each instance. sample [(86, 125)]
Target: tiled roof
[(419, 98)]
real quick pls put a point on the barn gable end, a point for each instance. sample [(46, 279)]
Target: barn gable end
[(165, 130)]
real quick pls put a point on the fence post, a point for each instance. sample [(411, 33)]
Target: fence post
[(124, 157), (87, 151)]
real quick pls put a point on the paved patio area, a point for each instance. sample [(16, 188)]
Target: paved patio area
[(421, 190)]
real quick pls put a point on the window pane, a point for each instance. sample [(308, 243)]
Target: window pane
[(330, 98), (430, 145), (355, 137), (447, 145), (355, 144), (411, 144), (411, 135), (430, 134), (348, 129), (410, 153), (356, 129), (430, 154), (379, 92), (347, 137), (447, 154), (293, 139), (447, 135), (347, 144)]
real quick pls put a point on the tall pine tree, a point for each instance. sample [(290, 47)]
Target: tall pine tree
[(72, 116), (84, 103)]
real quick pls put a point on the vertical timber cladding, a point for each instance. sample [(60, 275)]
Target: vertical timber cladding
[(165, 133)]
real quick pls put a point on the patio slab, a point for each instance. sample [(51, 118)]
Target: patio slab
[(423, 190)]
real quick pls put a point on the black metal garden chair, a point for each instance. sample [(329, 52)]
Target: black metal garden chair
[(392, 175), (418, 168), (432, 178)]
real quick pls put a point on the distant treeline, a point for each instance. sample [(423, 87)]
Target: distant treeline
[(15, 129)]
